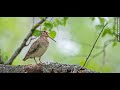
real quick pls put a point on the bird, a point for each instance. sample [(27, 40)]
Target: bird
[(39, 47)]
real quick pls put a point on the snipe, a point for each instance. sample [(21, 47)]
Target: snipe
[(39, 47)]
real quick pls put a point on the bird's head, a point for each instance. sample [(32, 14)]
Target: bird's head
[(46, 34)]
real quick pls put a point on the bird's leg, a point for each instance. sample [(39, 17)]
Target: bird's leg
[(35, 60), (39, 59)]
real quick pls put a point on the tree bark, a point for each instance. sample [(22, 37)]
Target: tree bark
[(44, 68)]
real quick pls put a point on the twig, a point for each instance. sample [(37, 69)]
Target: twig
[(104, 54), (102, 51), (51, 19), (94, 46), (24, 41), (30, 41), (33, 20)]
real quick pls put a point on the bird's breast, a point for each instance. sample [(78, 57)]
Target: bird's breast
[(42, 49)]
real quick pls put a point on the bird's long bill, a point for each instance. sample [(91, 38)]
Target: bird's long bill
[(52, 39)]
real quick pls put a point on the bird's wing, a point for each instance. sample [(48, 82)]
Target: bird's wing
[(34, 47)]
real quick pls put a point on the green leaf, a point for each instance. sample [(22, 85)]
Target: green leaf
[(64, 23), (92, 18), (114, 44), (107, 31), (36, 33), (44, 28), (6, 58), (41, 17), (61, 21), (102, 20), (99, 27), (48, 25), (114, 27), (52, 34), (104, 33), (56, 22), (65, 20)]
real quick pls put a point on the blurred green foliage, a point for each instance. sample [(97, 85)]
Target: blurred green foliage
[(74, 34)]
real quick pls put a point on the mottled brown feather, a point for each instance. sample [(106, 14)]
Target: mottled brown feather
[(34, 47)]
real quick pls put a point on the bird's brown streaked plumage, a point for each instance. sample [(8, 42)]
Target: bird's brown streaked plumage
[(39, 47)]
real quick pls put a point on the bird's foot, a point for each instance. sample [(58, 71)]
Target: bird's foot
[(42, 63)]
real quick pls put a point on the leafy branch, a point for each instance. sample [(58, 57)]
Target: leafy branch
[(47, 25), (15, 54)]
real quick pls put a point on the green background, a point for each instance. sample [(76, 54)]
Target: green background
[(74, 42)]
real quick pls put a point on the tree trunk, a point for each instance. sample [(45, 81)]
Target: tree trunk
[(44, 68)]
